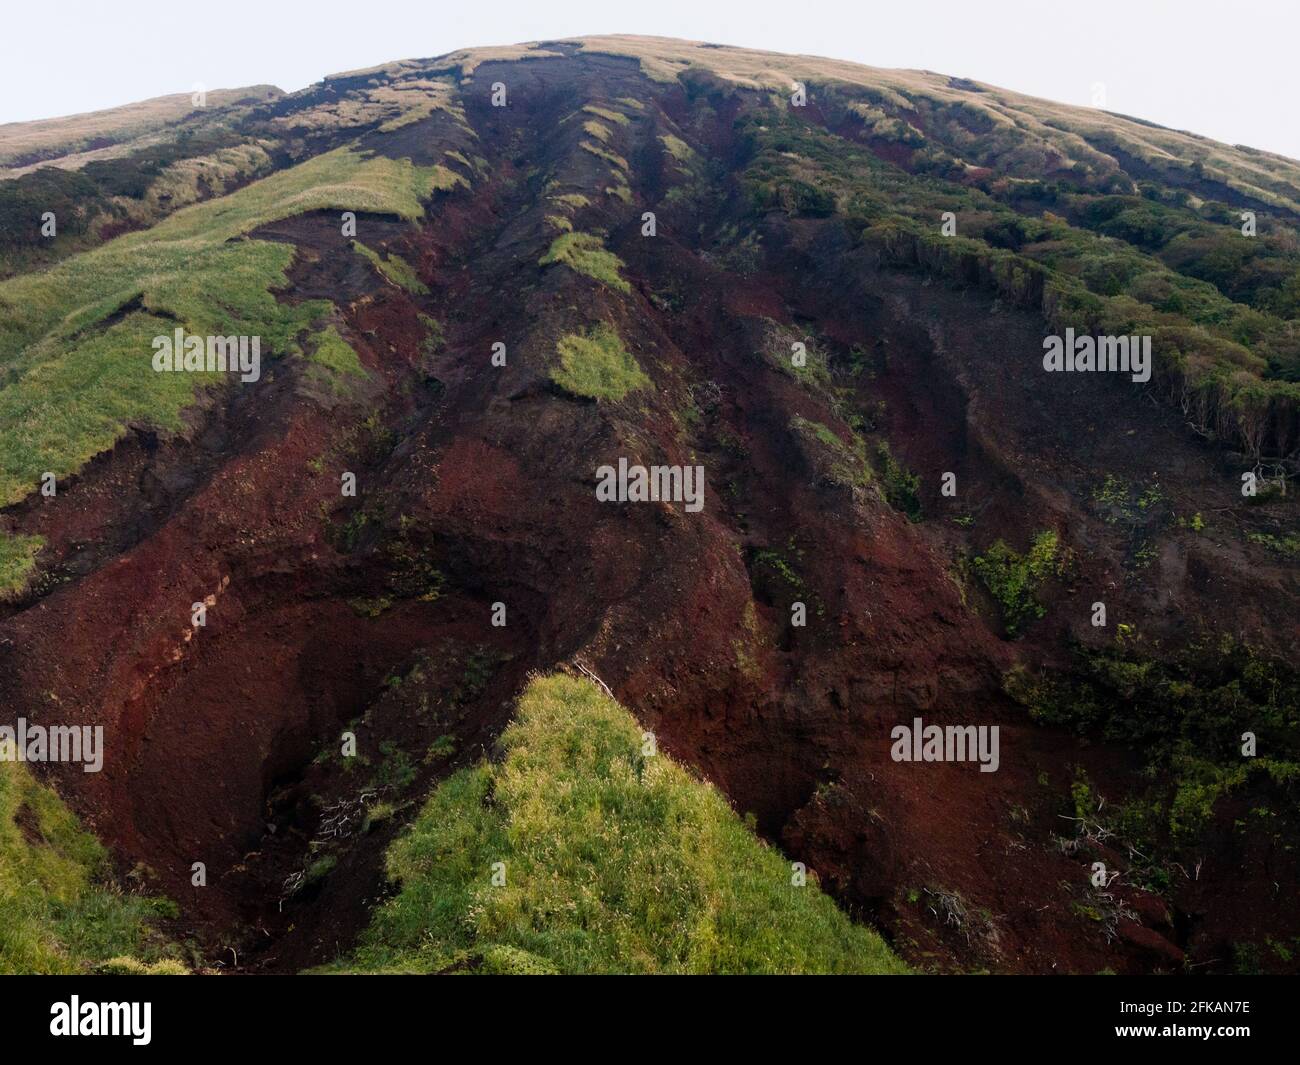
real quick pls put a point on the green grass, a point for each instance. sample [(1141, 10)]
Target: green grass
[(60, 912), (614, 862), (334, 360), (596, 365), (17, 561), (395, 269), (585, 253), (69, 385)]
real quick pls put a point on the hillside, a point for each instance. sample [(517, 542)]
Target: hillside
[(72, 142), (480, 279)]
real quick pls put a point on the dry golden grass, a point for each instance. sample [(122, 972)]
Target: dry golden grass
[(65, 140), (183, 183), (392, 104)]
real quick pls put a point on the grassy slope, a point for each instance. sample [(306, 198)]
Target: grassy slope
[(1235, 357), (59, 912), (614, 862), (69, 386)]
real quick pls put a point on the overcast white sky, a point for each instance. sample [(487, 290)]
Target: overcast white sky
[(1226, 70)]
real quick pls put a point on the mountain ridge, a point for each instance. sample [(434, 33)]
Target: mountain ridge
[(668, 341)]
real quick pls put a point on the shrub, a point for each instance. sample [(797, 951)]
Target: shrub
[(1012, 579), (900, 486)]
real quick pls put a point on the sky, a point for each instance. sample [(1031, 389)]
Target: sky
[(1224, 70)]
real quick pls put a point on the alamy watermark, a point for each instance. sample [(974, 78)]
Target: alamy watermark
[(77, 1018), (214, 354), (641, 484), (58, 743), (919, 742), (1080, 354)]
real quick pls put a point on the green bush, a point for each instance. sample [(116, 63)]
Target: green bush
[(1012, 578), (1185, 713), (900, 485)]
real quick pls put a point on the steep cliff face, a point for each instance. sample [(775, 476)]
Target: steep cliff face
[(482, 278)]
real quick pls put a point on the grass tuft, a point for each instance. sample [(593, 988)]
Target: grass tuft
[(585, 253), (395, 269), (17, 563), (596, 365)]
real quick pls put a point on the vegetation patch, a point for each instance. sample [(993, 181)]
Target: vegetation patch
[(899, 485), (830, 456), (17, 563), (395, 269), (605, 860), (596, 365), (601, 152), (1220, 307), (1012, 579), (585, 253), (62, 912), (334, 361), (1287, 545), (76, 341), (677, 148), (1188, 714), (572, 199), (607, 114)]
